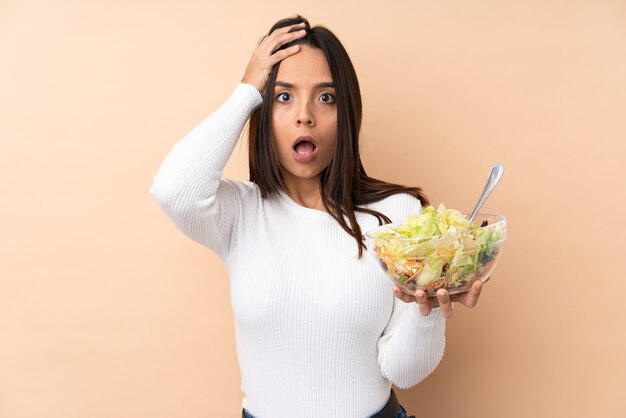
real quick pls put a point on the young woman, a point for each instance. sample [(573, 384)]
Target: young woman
[(319, 332)]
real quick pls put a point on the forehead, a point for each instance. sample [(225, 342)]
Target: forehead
[(307, 66)]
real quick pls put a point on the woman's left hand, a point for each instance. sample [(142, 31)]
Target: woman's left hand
[(443, 300)]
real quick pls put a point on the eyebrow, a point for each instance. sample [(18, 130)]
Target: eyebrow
[(289, 85)]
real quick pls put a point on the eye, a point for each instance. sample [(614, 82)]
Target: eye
[(327, 98), (283, 97)]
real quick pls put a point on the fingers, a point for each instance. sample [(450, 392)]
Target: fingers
[(402, 296), (424, 303), (286, 29), (282, 36), (445, 303), (443, 300), (284, 53), (264, 57), (470, 299)]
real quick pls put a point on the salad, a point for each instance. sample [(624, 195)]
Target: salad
[(438, 248)]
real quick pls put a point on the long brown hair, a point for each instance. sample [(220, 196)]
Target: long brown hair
[(344, 185)]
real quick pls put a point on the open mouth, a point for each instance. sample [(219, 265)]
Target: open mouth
[(304, 146), (305, 149)]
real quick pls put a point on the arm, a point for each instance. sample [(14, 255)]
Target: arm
[(187, 186), (412, 344)]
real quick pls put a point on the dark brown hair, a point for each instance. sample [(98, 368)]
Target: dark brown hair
[(344, 185)]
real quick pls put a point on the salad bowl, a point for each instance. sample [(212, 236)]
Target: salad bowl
[(438, 249)]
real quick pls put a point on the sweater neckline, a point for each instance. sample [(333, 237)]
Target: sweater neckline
[(298, 208)]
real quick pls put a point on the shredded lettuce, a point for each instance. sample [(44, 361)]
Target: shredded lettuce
[(438, 247)]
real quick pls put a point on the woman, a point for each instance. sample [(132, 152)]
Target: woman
[(318, 331)]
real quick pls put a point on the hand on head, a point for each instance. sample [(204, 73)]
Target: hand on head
[(267, 54)]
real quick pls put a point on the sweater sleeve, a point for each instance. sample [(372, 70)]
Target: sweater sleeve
[(412, 345), (188, 184)]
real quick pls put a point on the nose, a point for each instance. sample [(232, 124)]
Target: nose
[(305, 115)]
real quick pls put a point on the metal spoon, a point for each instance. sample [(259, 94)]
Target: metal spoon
[(494, 177)]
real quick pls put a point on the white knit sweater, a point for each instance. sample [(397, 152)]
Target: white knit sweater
[(318, 330)]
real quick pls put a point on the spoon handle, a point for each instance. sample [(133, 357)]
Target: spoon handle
[(494, 177)]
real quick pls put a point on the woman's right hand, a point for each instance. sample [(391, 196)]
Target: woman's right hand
[(264, 56)]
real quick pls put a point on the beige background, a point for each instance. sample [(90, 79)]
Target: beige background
[(106, 310)]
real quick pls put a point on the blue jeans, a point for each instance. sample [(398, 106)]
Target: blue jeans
[(401, 413)]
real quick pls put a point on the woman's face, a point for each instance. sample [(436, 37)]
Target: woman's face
[(304, 115)]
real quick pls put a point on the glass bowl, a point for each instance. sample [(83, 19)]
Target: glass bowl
[(452, 261)]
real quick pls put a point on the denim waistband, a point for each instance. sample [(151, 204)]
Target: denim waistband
[(387, 411), (401, 414)]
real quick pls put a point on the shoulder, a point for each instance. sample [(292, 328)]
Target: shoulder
[(398, 206)]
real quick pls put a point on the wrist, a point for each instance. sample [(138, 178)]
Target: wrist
[(256, 85)]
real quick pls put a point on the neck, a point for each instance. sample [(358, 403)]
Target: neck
[(305, 192)]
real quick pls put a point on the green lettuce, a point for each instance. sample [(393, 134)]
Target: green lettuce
[(441, 243)]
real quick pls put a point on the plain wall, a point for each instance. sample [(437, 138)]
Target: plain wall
[(106, 310)]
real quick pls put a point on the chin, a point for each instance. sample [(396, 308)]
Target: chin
[(300, 174)]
